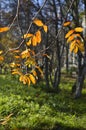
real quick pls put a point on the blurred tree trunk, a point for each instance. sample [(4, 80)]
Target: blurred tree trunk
[(58, 58), (77, 87), (47, 65)]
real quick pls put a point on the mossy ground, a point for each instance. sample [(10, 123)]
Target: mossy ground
[(35, 109)]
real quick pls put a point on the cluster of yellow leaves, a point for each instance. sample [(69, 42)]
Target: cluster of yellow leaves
[(25, 78), (28, 62), (13, 64), (35, 39), (74, 38), (40, 24), (29, 77), (28, 57)]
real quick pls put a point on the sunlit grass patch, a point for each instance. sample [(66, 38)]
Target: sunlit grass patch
[(33, 108)]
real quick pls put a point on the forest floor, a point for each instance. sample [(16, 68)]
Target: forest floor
[(32, 108)]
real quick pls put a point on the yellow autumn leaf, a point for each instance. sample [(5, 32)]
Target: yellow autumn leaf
[(28, 35), (75, 49), (78, 41), (25, 54), (80, 46), (18, 65), (16, 72), (17, 57), (4, 29), (78, 35), (12, 64), (69, 33), (23, 78), (78, 29), (38, 22), (38, 36), (1, 58), (45, 28), (34, 41), (16, 51), (72, 45), (71, 38), (29, 42), (32, 78), (34, 73), (66, 23)]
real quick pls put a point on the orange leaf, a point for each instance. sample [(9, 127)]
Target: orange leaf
[(78, 35), (1, 58), (34, 41), (29, 42), (25, 54), (34, 73), (75, 50), (72, 45), (16, 51), (78, 29), (66, 23), (80, 45), (28, 35), (12, 65), (71, 38), (17, 57), (45, 28), (23, 78), (38, 22), (4, 29), (78, 41), (32, 78), (38, 36), (69, 33), (16, 72)]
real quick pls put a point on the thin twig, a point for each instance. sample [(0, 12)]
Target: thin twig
[(18, 4)]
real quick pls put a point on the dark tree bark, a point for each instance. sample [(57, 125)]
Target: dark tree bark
[(81, 69), (47, 65), (58, 68)]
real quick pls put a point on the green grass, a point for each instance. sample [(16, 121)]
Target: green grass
[(35, 109)]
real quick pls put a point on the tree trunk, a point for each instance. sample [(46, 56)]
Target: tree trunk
[(47, 66), (80, 81), (58, 68)]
